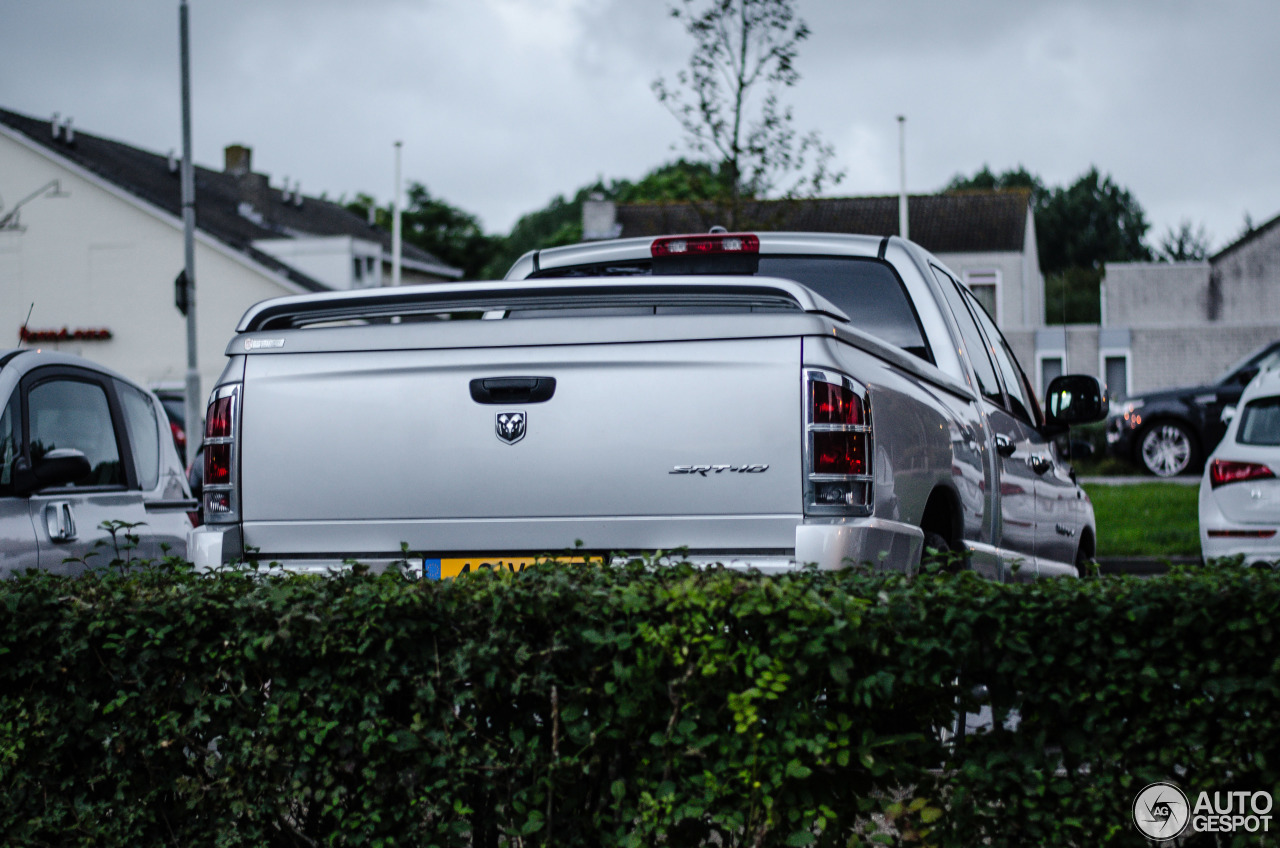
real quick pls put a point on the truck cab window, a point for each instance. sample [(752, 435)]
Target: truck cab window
[(1022, 401), (979, 355), (75, 414)]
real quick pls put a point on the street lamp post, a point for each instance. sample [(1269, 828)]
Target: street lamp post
[(195, 432)]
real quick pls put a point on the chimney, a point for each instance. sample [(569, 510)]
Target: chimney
[(173, 162), (599, 219), (68, 134), (54, 126), (238, 159), (284, 191)]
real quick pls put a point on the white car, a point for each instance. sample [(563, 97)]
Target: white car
[(1240, 492)]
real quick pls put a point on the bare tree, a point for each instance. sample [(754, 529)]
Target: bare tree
[(728, 103), (1185, 244)]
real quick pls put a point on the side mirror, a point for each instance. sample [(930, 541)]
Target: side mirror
[(1228, 412), (58, 467), (1245, 375), (1074, 399)]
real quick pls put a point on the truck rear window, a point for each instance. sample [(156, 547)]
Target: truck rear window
[(867, 290)]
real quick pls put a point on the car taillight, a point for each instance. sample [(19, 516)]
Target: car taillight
[(704, 244), (179, 437), (838, 445), (219, 455), (1224, 471)]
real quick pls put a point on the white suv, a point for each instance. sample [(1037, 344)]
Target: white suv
[(1240, 492)]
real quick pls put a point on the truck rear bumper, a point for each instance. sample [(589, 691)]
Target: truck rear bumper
[(830, 544)]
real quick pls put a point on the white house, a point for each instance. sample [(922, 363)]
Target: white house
[(91, 242)]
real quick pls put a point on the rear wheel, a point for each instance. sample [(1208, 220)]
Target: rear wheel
[(1167, 448)]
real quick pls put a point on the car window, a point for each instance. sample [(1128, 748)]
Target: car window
[(144, 433), (67, 413), (1260, 422), (976, 346), (868, 290), (10, 442), (1022, 401)]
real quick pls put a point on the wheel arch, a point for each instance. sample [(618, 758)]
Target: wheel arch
[(942, 515)]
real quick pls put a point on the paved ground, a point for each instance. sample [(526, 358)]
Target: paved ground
[(1184, 480)]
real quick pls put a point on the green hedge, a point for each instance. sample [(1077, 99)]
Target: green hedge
[(575, 705)]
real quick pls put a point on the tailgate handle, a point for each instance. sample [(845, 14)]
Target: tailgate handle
[(506, 390)]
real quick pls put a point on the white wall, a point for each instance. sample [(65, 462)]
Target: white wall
[(1009, 298), (329, 259), (97, 260)]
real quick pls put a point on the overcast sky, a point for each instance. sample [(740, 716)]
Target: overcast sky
[(502, 104)]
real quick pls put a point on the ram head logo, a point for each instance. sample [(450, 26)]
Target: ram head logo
[(511, 426)]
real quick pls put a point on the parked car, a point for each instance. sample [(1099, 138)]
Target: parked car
[(763, 400), (81, 445), (1170, 432), (1240, 492), (175, 407)]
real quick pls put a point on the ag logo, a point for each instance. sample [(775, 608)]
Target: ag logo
[(1161, 812), (511, 426)]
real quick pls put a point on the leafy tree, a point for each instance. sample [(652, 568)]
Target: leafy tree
[(728, 102), (447, 232), (560, 221), (1185, 244), (678, 181), (1073, 296), (984, 179), (1090, 222)]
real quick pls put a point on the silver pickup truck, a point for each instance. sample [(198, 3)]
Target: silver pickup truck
[(761, 400)]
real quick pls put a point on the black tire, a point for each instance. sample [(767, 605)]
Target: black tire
[(1167, 449)]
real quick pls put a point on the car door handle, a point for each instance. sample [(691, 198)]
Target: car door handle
[(60, 521), (1005, 445), (505, 390)]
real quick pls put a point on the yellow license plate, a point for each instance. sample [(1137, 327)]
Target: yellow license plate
[(436, 569)]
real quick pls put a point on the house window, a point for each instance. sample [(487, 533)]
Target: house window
[(359, 269), (1050, 367), (985, 285), (1115, 373)]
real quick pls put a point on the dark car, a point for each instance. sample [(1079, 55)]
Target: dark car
[(1171, 432)]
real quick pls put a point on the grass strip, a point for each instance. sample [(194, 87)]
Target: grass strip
[(1146, 519)]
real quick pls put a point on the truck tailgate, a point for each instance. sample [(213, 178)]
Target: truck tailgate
[(395, 436)]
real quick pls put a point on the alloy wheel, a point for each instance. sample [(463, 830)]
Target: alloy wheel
[(1166, 450)]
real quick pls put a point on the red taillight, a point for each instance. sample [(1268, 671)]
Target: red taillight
[(704, 244), (834, 404), (1224, 471), (179, 436), (220, 503), (839, 453), (217, 422), (217, 465), (1240, 534)]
